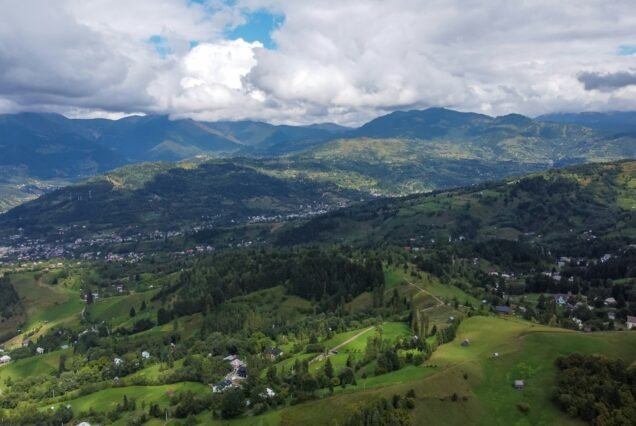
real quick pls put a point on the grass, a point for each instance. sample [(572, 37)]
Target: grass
[(116, 310), (29, 367), (394, 277), (45, 306), (107, 400), (482, 381)]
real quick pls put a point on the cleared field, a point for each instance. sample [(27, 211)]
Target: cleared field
[(34, 366), (45, 306), (107, 400), (116, 310), (481, 380)]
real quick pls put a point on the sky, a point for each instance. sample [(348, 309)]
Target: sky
[(299, 62)]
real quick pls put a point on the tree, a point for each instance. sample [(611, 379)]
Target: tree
[(132, 312), (163, 316), (232, 404), (329, 368)]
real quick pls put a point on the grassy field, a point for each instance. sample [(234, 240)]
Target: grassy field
[(107, 400), (481, 380), (34, 366), (116, 310), (45, 306)]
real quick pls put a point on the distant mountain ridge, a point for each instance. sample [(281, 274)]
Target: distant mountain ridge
[(398, 153), (613, 123)]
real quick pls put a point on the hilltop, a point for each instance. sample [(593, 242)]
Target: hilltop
[(172, 197), (587, 203)]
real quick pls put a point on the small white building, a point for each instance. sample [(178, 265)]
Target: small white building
[(631, 322), (269, 393), (118, 361), (39, 350), (4, 359), (145, 354)]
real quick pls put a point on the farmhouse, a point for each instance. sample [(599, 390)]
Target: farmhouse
[(631, 322), (237, 363), (242, 372), (505, 310), (561, 299), (221, 386), (273, 353)]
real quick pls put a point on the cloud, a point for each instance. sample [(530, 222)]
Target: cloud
[(607, 81), (343, 61)]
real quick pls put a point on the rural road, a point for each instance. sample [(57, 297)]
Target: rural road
[(346, 342), (320, 357), (439, 301)]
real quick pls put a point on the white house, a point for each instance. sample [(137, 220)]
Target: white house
[(631, 322), (39, 350), (5, 359), (269, 393), (145, 354), (610, 301), (118, 361)]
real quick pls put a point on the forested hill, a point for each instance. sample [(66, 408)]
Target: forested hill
[(591, 204), (401, 153), (169, 197)]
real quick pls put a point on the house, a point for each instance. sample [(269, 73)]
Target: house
[(631, 323), (64, 347), (505, 310), (221, 386), (229, 358), (519, 384), (273, 353), (5, 359), (118, 361), (242, 372), (610, 301), (611, 316), (145, 354), (26, 342), (269, 393), (561, 299), (39, 350), (236, 363)]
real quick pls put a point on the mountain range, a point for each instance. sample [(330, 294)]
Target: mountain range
[(400, 153)]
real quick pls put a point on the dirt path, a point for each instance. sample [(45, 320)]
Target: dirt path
[(439, 301), (321, 357), (346, 342)]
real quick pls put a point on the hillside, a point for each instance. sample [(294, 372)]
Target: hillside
[(587, 203), (169, 197), (332, 333), (397, 154)]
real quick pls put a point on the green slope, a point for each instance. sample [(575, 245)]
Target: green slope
[(545, 207)]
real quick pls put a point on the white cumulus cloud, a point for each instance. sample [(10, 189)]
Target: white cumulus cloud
[(343, 61)]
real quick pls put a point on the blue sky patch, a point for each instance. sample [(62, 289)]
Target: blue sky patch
[(626, 50), (259, 26), (160, 45)]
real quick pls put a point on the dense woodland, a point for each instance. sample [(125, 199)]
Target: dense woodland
[(596, 389)]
